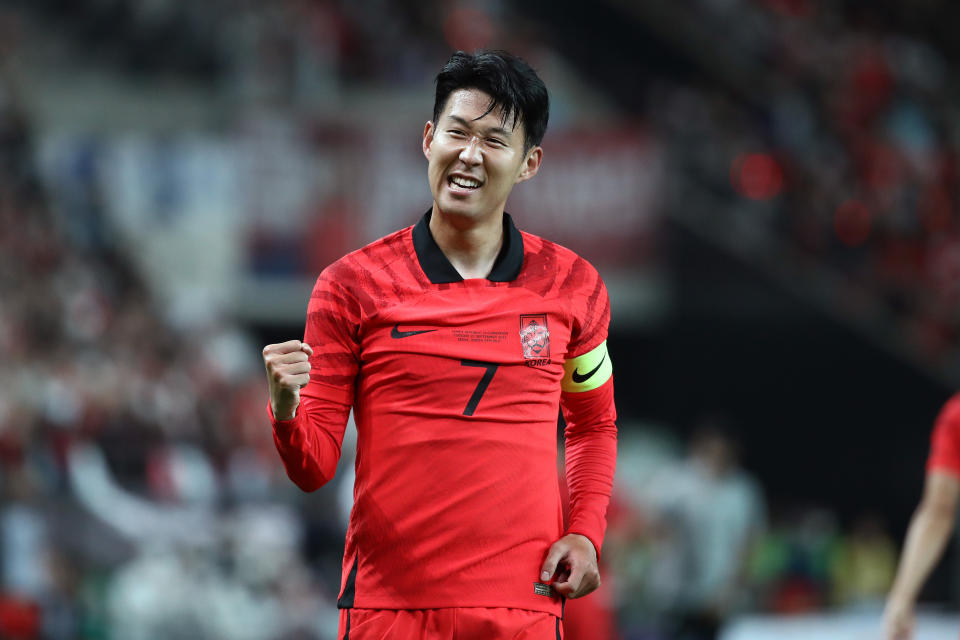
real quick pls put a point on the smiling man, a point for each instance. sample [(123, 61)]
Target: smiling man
[(457, 341)]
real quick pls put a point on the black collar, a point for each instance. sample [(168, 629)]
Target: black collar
[(438, 268)]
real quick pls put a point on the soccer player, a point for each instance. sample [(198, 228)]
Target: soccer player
[(931, 525), (456, 341)]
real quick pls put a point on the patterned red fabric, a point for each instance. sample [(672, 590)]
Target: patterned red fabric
[(456, 405)]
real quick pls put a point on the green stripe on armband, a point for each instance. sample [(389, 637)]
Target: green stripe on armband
[(588, 371)]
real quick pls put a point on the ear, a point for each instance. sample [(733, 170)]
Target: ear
[(531, 164), (427, 138)]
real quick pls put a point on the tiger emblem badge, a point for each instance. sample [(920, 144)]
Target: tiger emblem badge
[(534, 336)]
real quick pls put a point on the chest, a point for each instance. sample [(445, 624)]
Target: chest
[(498, 324), (472, 342)]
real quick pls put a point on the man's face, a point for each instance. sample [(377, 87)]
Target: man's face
[(474, 161)]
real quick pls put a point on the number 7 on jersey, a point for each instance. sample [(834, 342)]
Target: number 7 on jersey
[(491, 369)]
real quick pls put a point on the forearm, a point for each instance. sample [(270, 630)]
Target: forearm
[(590, 467), (310, 444), (927, 537), (591, 454)]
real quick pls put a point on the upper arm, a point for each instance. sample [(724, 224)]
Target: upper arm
[(591, 309), (587, 384), (332, 329), (941, 493), (587, 371)]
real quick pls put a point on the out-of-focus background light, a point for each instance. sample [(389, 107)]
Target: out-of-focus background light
[(467, 29), (852, 223), (769, 188), (756, 175)]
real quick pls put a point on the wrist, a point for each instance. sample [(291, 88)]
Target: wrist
[(283, 414), (586, 540), (900, 598)]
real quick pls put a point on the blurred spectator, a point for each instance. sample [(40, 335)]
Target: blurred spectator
[(683, 545), (721, 511), (791, 565), (857, 121), (114, 522), (864, 565)]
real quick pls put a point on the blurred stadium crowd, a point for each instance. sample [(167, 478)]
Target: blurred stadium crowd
[(834, 128), (141, 496)]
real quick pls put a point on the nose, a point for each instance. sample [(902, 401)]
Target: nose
[(470, 154)]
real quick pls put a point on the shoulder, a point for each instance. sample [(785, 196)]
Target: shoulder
[(945, 439), (535, 246), (949, 417), (574, 273), (366, 263)]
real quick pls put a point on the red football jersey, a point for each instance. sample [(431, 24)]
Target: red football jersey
[(455, 386), (945, 439)]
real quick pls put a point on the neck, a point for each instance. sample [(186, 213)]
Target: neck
[(471, 246)]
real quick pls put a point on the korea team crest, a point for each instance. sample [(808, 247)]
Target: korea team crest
[(535, 337)]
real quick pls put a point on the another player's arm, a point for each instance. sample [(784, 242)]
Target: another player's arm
[(591, 449), (927, 536)]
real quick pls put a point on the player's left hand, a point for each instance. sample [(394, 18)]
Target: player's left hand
[(571, 566)]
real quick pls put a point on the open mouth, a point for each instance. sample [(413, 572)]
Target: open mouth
[(462, 182)]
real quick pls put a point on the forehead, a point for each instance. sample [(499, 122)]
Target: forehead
[(471, 104)]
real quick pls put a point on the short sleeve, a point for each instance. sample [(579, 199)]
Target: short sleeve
[(945, 439)]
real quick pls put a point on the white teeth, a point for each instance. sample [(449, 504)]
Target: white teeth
[(466, 183)]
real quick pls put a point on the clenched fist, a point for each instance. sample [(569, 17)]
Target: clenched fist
[(288, 370), (571, 566)]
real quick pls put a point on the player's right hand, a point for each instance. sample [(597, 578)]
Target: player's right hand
[(897, 621), (288, 370)]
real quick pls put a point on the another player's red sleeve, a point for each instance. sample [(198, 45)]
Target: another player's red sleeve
[(589, 410), (310, 443), (945, 439)]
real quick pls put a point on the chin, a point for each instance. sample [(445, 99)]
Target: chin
[(460, 209)]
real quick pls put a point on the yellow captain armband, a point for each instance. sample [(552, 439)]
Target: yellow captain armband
[(588, 371)]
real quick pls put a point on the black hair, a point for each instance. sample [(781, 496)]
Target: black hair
[(511, 84)]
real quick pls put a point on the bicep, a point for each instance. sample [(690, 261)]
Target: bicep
[(333, 318), (941, 492), (588, 371)]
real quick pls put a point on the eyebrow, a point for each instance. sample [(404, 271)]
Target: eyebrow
[(499, 130)]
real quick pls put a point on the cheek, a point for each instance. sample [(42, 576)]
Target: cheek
[(506, 175), (433, 169), (439, 158)]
